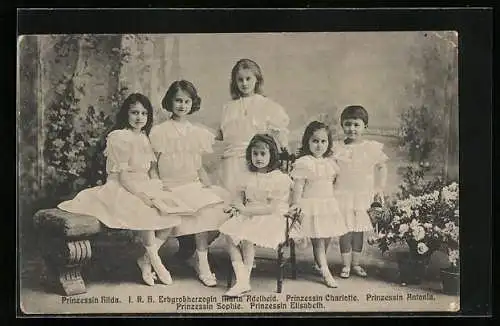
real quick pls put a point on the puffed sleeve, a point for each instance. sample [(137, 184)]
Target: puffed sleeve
[(118, 150), (281, 187), (377, 152), (156, 139), (206, 139), (277, 121), (302, 169)]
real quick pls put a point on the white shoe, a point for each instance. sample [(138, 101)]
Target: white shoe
[(207, 278), (328, 279), (242, 280), (145, 266), (238, 290), (162, 273)]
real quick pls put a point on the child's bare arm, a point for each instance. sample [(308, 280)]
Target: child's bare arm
[(298, 188), (380, 178)]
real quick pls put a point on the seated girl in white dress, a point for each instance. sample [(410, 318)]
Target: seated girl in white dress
[(262, 202), (179, 146), (314, 174), (125, 201)]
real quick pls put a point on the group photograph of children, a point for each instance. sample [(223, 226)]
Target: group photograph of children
[(238, 173)]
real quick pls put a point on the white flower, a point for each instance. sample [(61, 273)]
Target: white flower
[(450, 226), (403, 228), (419, 233), (390, 235), (422, 248), (414, 223), (453, 256), (428, 226)]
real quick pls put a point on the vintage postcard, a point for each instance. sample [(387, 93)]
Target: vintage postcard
[(335, 155)]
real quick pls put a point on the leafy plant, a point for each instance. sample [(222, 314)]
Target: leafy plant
[(421, 133), (414, 183), (426, 223), (71, 163)]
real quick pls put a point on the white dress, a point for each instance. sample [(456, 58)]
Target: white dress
[(354, 188), (263, 230), (111, 203), (241, 120), (321, 214), (182, 145)]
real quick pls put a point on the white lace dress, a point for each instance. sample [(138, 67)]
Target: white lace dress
[(181, 146), (241, 120), (111, 203), (355, 184), (263, 230), (321, 214)]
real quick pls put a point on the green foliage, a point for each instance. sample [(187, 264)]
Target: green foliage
[(71, 155), (433, 92), (421, 133), (415, 183), (424, 215)]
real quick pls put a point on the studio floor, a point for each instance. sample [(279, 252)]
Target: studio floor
[(113, 273)]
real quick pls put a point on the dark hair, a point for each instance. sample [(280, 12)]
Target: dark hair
[(274, 161), (246, 64), (354, 112), (185, 86), (122, 116), (310, 129)]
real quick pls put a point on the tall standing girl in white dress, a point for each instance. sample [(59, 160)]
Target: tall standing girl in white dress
[(125, 200), (361, 181), (247, 114), (262, 202), (314, 174), (179, 146)]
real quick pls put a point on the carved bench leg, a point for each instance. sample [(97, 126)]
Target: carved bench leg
[(64, 260)]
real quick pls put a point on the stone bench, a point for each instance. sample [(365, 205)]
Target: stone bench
[(64, 240)]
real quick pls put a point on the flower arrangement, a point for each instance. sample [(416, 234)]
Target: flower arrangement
[(426, 223)]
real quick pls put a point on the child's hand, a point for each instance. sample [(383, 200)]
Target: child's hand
[(295, 212), (232, 211), (240, 207)]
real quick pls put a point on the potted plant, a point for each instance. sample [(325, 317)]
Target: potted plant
[(450, 276), (424, 223)]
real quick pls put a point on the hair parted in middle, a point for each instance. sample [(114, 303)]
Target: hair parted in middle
[(186, 87), (310, 129), (254, 67), (268, 140), (121, 121)]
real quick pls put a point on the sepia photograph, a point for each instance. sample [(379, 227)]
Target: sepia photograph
[(194, 173)]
